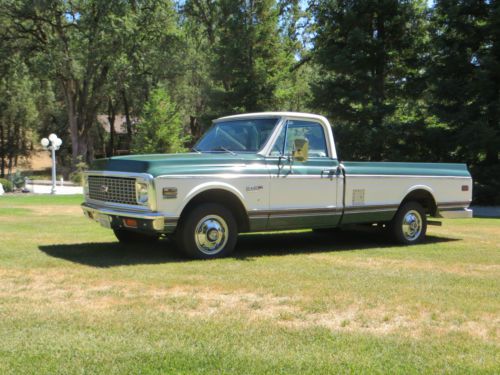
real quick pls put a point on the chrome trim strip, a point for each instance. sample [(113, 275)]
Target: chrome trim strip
[(301, 176), (350, 209), (370, 211), (221, 175), (403, 175), (241, 175), (306, 212), (332, 213), (145, 176), (298, 211), (291, 175)]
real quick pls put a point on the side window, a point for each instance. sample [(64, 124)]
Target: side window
[(312, 131), (277, 149)]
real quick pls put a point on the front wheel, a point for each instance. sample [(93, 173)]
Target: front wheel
[(410, 224), (208, 231)]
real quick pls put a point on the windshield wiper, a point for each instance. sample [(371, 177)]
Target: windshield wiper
[(195, 150)]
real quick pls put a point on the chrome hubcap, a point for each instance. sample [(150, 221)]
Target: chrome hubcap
[(412, 225), (211, 234)]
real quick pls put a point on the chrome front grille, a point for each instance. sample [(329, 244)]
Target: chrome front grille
[(112, 189)]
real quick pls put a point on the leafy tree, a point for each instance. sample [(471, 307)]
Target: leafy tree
[(464, 83), (78, 43), (160, 129), (18, 114), (249, 58), (369, 73), (192, 87), (146, 54)]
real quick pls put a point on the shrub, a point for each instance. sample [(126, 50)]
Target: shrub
[(17, 180), (7, 185), (77, 176), (160, 130)]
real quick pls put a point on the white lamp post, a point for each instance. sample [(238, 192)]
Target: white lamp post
[(53, 143)]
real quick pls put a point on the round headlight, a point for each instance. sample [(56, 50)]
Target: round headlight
[(142, 193)]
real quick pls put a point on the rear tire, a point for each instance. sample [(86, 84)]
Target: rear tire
[(126, 237), (208, 231), (409, 225)]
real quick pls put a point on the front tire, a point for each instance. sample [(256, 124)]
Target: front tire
[(208, 231), (409, 226)]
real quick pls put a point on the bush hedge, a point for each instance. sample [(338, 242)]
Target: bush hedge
[(7, 185)]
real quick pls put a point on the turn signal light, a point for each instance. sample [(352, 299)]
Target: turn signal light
[(465, 187), (130, 223)]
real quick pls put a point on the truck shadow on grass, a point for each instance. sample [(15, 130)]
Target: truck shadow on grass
[(250, 246)]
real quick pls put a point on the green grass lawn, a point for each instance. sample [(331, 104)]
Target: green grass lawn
[(73, 301)]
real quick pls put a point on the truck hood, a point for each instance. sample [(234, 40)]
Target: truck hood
[(176, 164)]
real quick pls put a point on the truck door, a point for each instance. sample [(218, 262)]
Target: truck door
[(305, 193)]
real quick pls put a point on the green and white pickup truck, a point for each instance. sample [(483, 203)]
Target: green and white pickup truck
[(267, 171)]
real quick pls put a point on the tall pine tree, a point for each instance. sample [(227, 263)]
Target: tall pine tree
[(369, 55), (249, 57), (464, 78)]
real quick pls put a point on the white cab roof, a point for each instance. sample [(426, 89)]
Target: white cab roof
[(274, 114)]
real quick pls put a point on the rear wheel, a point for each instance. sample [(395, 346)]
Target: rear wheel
[(208, 231), (127, 236), (409, 226)]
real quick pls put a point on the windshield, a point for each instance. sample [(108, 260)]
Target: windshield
[(247, 135)]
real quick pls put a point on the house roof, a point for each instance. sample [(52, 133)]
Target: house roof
[(120, 124)]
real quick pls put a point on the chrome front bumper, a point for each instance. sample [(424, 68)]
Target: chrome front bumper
[(158, 221), (457, 213)]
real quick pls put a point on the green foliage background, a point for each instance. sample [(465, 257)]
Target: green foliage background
[(399, 80), (160, 129)]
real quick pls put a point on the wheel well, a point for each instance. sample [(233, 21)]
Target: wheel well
[(224, 198), (424, 198)]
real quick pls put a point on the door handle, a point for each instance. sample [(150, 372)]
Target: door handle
[(328, 172)]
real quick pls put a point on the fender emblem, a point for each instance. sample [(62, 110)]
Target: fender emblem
[(169, 192), (255, 188)]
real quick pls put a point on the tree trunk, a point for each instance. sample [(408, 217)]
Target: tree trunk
[(127, 118), (195, 128), (111, 120), (379, 88), (70, 97), (2, 151)]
